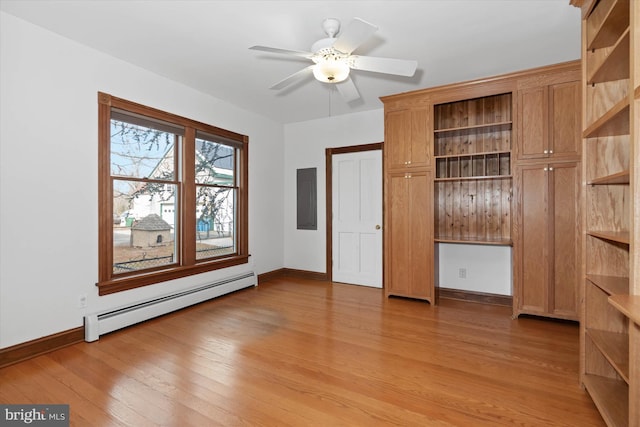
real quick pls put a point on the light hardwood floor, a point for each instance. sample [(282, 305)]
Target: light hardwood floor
[(308, 353)]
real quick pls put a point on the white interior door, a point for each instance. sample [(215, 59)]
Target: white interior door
[(357, 218)]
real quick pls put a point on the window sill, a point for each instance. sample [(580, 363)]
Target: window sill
[(132, 282)]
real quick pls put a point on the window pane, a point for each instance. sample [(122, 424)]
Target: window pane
[(141, 152), (215, 222), (143, 225), (215, 163)]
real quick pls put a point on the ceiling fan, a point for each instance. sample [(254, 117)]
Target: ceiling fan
[(332, 58)]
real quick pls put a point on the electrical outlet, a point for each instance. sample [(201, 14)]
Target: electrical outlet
[(462, 273), (82, 301)]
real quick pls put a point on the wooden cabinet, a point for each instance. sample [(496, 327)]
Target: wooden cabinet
[(408, 195), (547, 239), (610, 324), (550, 120), (409, 237), (547, 224), (460, 139), (406, 137)]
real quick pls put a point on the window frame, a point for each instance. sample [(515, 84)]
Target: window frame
[(187, 264)]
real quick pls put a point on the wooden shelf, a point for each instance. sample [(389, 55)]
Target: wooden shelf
[(474, 241), (473, 178), (483, 128), (614, 236), (473, 166), (484, 153), (605, 26), (613, 179), (613, 122), (612, 285), (615, 348), (629, 305), (611, 397), (613, 66)]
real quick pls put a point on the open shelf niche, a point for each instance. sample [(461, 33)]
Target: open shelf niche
[(472, 154)]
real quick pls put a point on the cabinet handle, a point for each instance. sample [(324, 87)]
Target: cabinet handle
[(409, 162), (546, 169), (378, 227), (550, 151), (546, 151), (550, 169)]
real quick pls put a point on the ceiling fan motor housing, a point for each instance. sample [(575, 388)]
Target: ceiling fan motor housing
[(331, 26)]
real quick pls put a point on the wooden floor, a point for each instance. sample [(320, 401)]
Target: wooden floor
[(308, 353)]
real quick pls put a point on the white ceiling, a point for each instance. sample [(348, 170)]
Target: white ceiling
[(204, 44)]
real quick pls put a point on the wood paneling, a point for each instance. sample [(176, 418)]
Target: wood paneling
[(473, 210), (298, 352)]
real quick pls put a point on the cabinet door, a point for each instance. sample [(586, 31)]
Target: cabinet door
[(397, 131), (533, 128), (546, 254), (420, 137), (406, 138), (409, 235), (549, 124), (531, 249), (564, 188), (421, 234), (565, 109)]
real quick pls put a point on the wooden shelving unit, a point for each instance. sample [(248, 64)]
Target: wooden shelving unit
[(610, 331), (472, 155)]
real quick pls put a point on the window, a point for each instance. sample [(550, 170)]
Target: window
[(172, 199)]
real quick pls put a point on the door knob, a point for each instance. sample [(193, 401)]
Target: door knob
[(378, 227)]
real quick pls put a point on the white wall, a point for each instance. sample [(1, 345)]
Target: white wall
[(488, 268), (48, 177), (305, 144)]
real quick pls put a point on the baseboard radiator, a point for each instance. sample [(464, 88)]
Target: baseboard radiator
[(103, 323)]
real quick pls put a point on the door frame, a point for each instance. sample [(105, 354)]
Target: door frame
[(329, 152)]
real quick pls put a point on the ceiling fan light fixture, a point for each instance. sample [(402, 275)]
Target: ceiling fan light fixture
[(331, 70)]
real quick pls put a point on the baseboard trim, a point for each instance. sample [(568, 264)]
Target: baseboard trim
[(481, 297), (271, 275), (290, 272), (37, 347)]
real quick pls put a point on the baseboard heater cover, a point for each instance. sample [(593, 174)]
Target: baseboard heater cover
[(102, 323)]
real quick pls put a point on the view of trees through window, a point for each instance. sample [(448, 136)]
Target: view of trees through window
[(147, 205)]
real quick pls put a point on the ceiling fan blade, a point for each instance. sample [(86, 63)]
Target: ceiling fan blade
[(400, 67), (307, 55), (354, 35), (299, 75), (348, 90)]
